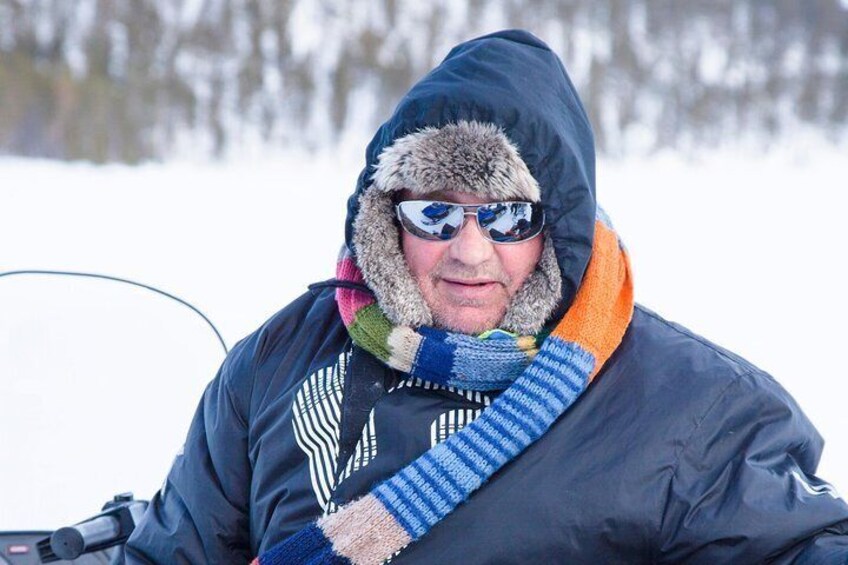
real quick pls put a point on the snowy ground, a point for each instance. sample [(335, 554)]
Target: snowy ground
[(99, 380)]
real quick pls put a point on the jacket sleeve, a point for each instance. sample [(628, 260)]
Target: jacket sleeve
[(744, 488), (200, 515)]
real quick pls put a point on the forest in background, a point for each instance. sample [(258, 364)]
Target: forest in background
[(135, 80)]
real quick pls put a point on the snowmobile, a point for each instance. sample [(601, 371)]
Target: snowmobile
[(100, 538)]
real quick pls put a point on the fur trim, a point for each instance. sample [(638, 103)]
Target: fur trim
[(380, 258), (537, 298), (470, 157)]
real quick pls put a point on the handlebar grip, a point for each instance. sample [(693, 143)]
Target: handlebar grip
[(69, 543)]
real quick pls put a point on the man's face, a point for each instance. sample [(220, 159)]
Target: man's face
[(468, 281)]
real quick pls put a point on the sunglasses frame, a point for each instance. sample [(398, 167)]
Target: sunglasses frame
[(472, 210)]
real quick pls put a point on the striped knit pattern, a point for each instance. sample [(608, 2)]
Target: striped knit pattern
[(404, 507), (488, 362), (432, 486)]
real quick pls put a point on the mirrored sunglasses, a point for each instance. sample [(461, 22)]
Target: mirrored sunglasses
[(499, 222)]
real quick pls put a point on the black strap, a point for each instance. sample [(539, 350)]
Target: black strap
[(336, 283), (366, 380)]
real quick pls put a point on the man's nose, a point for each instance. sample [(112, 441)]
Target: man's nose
[(470, 247)]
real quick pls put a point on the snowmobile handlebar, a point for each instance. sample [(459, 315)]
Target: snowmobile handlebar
[(107, 529)]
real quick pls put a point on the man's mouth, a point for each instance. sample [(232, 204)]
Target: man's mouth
[(471, 288)]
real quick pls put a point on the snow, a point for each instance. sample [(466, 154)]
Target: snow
[(99, 380)]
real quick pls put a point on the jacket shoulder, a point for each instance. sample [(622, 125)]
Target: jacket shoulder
[(674, 366), (311, 313), (678, 342), (284, 348)]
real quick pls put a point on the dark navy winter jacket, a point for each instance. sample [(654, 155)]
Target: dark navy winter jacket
[(679, 451)]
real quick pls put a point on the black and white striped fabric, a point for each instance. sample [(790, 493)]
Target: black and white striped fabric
[(317, 418)]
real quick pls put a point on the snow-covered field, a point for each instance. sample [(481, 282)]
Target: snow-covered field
[(98, 380)]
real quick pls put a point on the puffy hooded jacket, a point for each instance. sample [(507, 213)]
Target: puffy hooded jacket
[(679, 451)]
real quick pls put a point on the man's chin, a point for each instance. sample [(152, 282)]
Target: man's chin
[(469, 320)]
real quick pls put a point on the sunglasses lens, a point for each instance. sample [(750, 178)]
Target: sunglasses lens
[(430, 220), (510, 222), (501, 222)]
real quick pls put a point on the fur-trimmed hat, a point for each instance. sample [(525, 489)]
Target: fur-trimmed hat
[(465, 156)]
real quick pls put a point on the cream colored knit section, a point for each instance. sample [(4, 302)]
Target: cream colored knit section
[(367, 541)]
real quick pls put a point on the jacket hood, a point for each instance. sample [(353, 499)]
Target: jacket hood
[(512, 80)]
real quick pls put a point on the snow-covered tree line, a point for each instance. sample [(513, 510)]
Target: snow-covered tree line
[(129, 80)]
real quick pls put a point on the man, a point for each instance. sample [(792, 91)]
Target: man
[(477, 384)]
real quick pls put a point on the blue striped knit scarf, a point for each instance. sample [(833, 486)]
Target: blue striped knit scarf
[(406, 506)]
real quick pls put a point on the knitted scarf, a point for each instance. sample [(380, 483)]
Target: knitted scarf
[(491, 361), (540, 385)]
